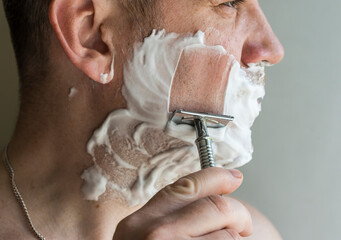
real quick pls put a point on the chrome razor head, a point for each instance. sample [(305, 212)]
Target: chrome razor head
[(212, 120), (202, 121)]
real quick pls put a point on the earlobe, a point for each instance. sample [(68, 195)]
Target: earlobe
[(105, 77), (79, 33)]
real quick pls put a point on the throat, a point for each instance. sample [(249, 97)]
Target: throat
[(56, 206)]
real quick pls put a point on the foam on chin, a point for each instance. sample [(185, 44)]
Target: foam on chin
[(232, 144), (137, 151)]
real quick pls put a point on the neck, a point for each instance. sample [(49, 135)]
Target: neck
[(48, 155)]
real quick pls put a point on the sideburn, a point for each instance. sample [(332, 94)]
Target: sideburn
[(143, 17)]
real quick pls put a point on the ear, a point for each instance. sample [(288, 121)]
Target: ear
[(77, 24)]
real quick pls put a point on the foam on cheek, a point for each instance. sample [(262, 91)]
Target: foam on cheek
[(149, 75), (137, 151)]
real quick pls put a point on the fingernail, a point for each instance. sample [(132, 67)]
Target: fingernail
[(236, 173)]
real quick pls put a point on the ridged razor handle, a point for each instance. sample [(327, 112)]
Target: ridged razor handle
[(204, 144)]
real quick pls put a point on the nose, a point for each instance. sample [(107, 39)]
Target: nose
[(261, 44)]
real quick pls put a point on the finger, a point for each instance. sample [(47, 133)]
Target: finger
[(210, 214), (210, 181), (225, 234)]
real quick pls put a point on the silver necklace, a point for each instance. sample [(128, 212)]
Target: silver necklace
[(18, 195)]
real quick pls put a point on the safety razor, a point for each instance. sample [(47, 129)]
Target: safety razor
[(202, 121)]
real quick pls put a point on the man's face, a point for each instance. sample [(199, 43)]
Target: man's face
[(239, 26)]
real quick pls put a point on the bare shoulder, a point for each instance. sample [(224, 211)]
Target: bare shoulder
[(263, 228)]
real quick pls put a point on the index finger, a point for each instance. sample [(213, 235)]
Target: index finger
[(204, 183)]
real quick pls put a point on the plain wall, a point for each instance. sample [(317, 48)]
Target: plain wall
[(295, 175)]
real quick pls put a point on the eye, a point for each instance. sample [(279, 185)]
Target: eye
[(233, 4)]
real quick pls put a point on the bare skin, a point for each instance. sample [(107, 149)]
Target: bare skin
[(48, 148)]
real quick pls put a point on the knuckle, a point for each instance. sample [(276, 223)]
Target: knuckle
[(245, 216), (227, 206), (242, 209), (219, 203), (188, 186), (248, 227)]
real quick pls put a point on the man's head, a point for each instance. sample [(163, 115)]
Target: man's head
[(84, 38)]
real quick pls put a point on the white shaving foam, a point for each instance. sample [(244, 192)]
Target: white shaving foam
[(73, 91), (95, 183), (105, 77), (139, 144), (232, 144)]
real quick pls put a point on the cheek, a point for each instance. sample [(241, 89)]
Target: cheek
[(188, 17), (174, 15), (227, 37), (200, 81)]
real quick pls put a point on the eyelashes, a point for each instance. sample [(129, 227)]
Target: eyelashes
[(233, 4)]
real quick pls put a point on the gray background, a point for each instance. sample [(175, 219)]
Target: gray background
[(295, 175)]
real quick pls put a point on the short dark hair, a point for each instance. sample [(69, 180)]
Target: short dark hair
[(30, 32)]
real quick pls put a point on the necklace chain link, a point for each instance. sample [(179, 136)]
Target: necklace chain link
[(18, 195)]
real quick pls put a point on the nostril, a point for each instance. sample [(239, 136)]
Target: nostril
[(265, 63), (268, 51)]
